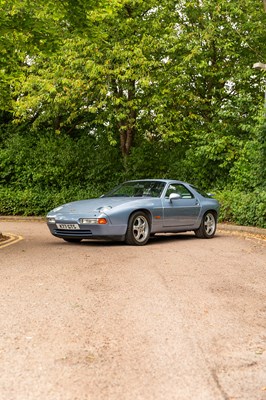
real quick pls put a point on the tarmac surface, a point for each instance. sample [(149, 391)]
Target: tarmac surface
[(181, 318), (246, 231)]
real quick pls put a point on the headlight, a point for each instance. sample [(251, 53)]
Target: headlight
[(93, 221), (51, 220), (88, 221)]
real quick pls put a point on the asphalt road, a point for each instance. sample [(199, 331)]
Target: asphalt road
[(181, 318)]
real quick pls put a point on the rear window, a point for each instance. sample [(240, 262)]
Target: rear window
[(204, 194)]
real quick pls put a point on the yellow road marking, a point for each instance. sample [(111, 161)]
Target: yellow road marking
[(12, 239), (245, 234)]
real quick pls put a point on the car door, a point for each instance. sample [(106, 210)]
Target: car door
[(182, 211)]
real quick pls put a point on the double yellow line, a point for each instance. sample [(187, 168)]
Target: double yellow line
[(12, 239)]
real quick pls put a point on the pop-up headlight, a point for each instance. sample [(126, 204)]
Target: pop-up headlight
[(104, 209)]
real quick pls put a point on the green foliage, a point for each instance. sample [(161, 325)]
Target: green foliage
[(155, 160), (95, 92), (54, 161), (37, 203), (26, 29), (243, 208)]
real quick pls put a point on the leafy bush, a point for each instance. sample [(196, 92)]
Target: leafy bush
[(51, 161), (243, 208), (35, 202)]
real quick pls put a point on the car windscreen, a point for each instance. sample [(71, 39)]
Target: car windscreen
[(137, 189)]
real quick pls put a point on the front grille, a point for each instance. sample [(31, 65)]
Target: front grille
[(73, 233)]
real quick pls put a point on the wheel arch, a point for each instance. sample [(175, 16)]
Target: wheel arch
[(212, 210), (207, 227), (138, 234), (145, 211)]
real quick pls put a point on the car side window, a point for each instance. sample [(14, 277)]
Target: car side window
[(179, 189)]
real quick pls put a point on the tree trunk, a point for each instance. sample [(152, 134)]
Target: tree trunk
[(127, 126), (126, 140)]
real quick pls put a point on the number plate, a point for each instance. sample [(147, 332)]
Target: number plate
[(68, 226)]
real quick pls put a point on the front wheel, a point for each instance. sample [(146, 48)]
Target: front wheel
[(207, 227), (138, 230)]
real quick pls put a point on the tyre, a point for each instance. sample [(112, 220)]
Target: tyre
[(71, 240), (207, 227), (138, 230)]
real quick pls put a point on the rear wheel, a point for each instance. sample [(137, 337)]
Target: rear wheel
[(138, 230), (207, 227)]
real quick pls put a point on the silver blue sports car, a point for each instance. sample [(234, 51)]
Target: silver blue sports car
[(135, 210)]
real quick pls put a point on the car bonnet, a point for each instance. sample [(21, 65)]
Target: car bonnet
[(92, 205)]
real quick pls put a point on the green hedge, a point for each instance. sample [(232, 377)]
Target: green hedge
[(236, 207), (243, 208), (37, 203)]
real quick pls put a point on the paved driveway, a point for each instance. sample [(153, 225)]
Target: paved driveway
[(180, 318)]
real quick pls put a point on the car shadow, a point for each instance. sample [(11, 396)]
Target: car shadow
[(156, 239)]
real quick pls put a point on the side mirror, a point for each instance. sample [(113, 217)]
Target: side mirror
[(174, 196)]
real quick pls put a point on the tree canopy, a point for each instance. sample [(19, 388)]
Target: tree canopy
[(162, 87)]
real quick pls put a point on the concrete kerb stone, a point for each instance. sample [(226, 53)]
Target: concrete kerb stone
[(11, 218), (244, 229)]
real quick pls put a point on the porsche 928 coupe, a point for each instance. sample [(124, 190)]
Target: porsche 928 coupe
[(136, 210)]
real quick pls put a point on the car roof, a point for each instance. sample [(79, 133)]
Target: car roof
[(157, 180)]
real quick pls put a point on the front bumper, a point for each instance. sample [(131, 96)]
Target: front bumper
[(106, 232)]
